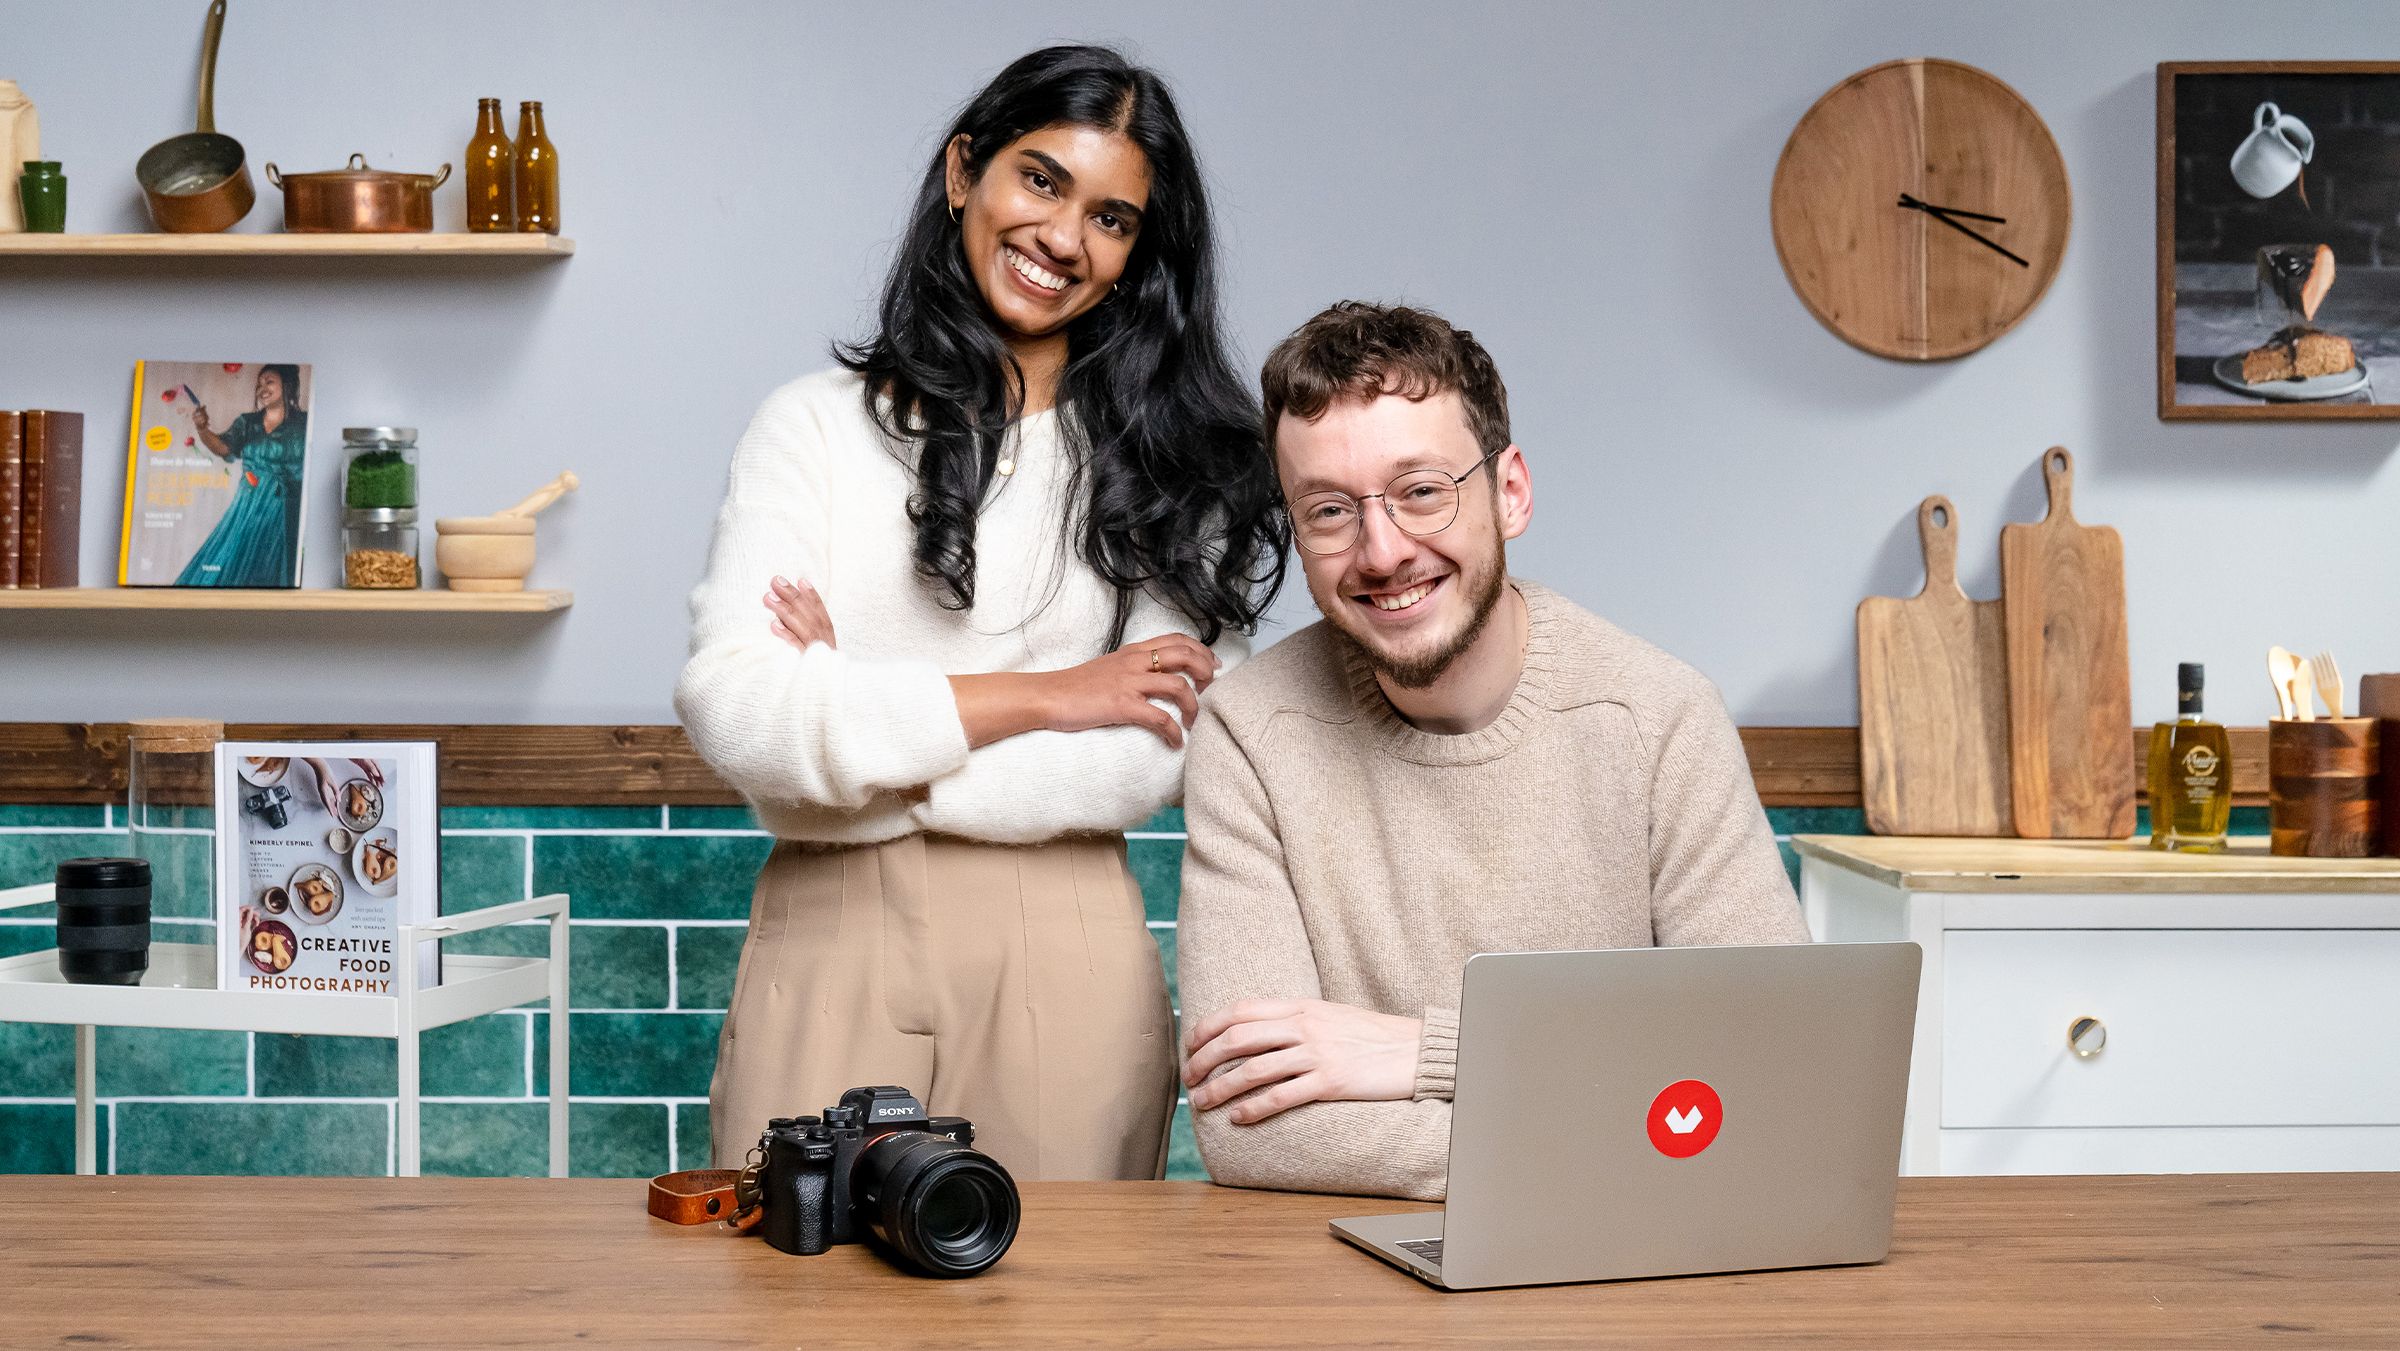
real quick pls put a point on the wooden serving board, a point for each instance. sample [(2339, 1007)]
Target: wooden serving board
[(2070, 693), (1933, 700)]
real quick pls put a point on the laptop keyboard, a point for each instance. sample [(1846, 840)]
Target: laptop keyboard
[(1430, 1249)]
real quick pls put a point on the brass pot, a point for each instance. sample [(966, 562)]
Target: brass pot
[(357, 200)]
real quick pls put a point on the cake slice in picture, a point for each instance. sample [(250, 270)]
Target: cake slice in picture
[(2300, 276), (2298, 353)]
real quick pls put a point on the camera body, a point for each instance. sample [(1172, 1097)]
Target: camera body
[(267, 805), (878, 1165)]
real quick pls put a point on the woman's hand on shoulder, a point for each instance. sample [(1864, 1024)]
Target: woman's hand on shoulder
[(797, 614), (1116, 690)]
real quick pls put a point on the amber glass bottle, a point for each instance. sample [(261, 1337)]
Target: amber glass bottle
[(491, 173), (537, 172)]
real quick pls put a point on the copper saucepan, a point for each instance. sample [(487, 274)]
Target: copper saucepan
[(357, 200), (198, 183)]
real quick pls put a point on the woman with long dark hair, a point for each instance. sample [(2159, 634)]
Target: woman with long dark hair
[(964, 593)]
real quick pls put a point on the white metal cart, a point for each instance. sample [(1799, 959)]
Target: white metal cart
[(178, 991)]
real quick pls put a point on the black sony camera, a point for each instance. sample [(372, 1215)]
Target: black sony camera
[(267, 805), (877, 1166)]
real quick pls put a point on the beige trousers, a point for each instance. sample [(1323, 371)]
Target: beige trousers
[(1014, 986)]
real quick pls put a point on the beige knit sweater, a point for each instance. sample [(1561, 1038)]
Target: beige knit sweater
[(1339, 853)]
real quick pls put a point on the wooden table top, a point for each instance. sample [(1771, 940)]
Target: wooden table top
[(2172, 1261), (1927, 863)]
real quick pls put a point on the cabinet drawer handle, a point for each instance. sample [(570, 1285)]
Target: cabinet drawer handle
[(2086, 1037)]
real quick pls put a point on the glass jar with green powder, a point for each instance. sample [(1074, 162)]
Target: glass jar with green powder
[(379, 507)]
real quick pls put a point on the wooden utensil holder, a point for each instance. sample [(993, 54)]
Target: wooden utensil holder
[(2322, 781), (2379, 698)]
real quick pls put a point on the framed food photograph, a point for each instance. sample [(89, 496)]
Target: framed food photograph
[(2278, 240)]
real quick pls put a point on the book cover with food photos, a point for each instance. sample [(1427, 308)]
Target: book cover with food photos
[(214, 466), (324, 849)]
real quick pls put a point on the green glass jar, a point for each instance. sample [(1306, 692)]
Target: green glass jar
[(42, 191)]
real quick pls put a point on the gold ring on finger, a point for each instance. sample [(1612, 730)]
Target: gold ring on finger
[(1154, 666)]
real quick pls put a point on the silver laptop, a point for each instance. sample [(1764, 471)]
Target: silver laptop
[(1667, 1111)]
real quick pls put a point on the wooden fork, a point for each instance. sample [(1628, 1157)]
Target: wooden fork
[(2329, 683)]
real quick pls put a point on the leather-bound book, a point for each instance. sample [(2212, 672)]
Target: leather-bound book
[(53, 505), (12, 495)]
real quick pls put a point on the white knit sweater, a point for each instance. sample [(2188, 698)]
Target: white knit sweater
[(825, 744)]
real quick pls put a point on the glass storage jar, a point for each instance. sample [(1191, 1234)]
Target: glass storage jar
[(379, 548), (171, 821), (379, 508)]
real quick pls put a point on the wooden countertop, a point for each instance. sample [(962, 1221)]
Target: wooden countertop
[(2172, 1261), (1920, 863)]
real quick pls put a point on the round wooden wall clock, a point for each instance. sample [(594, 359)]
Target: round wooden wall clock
[(1921, 209)]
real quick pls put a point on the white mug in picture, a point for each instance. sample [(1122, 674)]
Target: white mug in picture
[(2269, 158)]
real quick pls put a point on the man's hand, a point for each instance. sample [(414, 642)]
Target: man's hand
[(1299, 1050)]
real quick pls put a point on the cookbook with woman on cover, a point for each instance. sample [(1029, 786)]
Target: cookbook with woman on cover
[(324, 849), (213, 471)]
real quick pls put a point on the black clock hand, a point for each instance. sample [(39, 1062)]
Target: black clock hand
[(1944, 217), (1913, 203)]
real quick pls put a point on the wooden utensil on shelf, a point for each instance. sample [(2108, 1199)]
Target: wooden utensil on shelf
[(2280, 665), (2070, 687), (2329, 683), (2304, 704), (545, 495), (1933, 700)]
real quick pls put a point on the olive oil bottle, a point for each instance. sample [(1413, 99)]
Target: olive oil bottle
[(2191, 774)]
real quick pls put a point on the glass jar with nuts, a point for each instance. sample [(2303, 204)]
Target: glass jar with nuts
[(379, 548)]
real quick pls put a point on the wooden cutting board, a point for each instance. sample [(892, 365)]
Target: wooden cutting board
[(1933, 700), (2070, 694)]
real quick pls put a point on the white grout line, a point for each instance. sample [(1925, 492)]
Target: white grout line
[(674, 1157), (674, 985), (112, 1138)]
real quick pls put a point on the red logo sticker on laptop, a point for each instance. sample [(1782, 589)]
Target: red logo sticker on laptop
[(1684, 1118)]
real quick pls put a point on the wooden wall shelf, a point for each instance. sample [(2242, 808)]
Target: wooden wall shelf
[(539, 765), (446, 244), (428, 600)]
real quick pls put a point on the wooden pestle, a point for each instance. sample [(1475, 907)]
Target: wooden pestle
[(545, 495)]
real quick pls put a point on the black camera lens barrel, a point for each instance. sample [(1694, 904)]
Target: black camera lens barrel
[(941, 1205), (103, 920)]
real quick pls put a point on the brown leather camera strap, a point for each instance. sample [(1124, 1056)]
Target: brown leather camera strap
[(694, 1196)]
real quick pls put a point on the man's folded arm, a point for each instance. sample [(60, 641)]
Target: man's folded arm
[(1240, 936)]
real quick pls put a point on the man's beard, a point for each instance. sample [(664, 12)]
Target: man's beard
[(1483, 590)]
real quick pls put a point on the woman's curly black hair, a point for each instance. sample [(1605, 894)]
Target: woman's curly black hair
[(1177, 494)]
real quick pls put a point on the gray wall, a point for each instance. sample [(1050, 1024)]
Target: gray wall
[(1584, 185)]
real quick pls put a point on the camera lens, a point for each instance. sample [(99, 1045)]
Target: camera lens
[(941, 1205)]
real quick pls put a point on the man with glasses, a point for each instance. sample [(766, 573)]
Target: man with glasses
[(1456, 761)]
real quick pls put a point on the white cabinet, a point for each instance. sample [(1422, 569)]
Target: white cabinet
[(2237, 1012)]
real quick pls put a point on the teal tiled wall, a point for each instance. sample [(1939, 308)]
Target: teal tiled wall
[(660, 898)]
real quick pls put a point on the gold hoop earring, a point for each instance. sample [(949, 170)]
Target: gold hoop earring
[(954, 215)]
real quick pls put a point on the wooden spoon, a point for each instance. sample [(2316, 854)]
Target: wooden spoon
[(2280, 664), (551, 492)]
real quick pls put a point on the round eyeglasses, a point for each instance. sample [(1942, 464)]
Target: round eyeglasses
[(1420, 502)]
